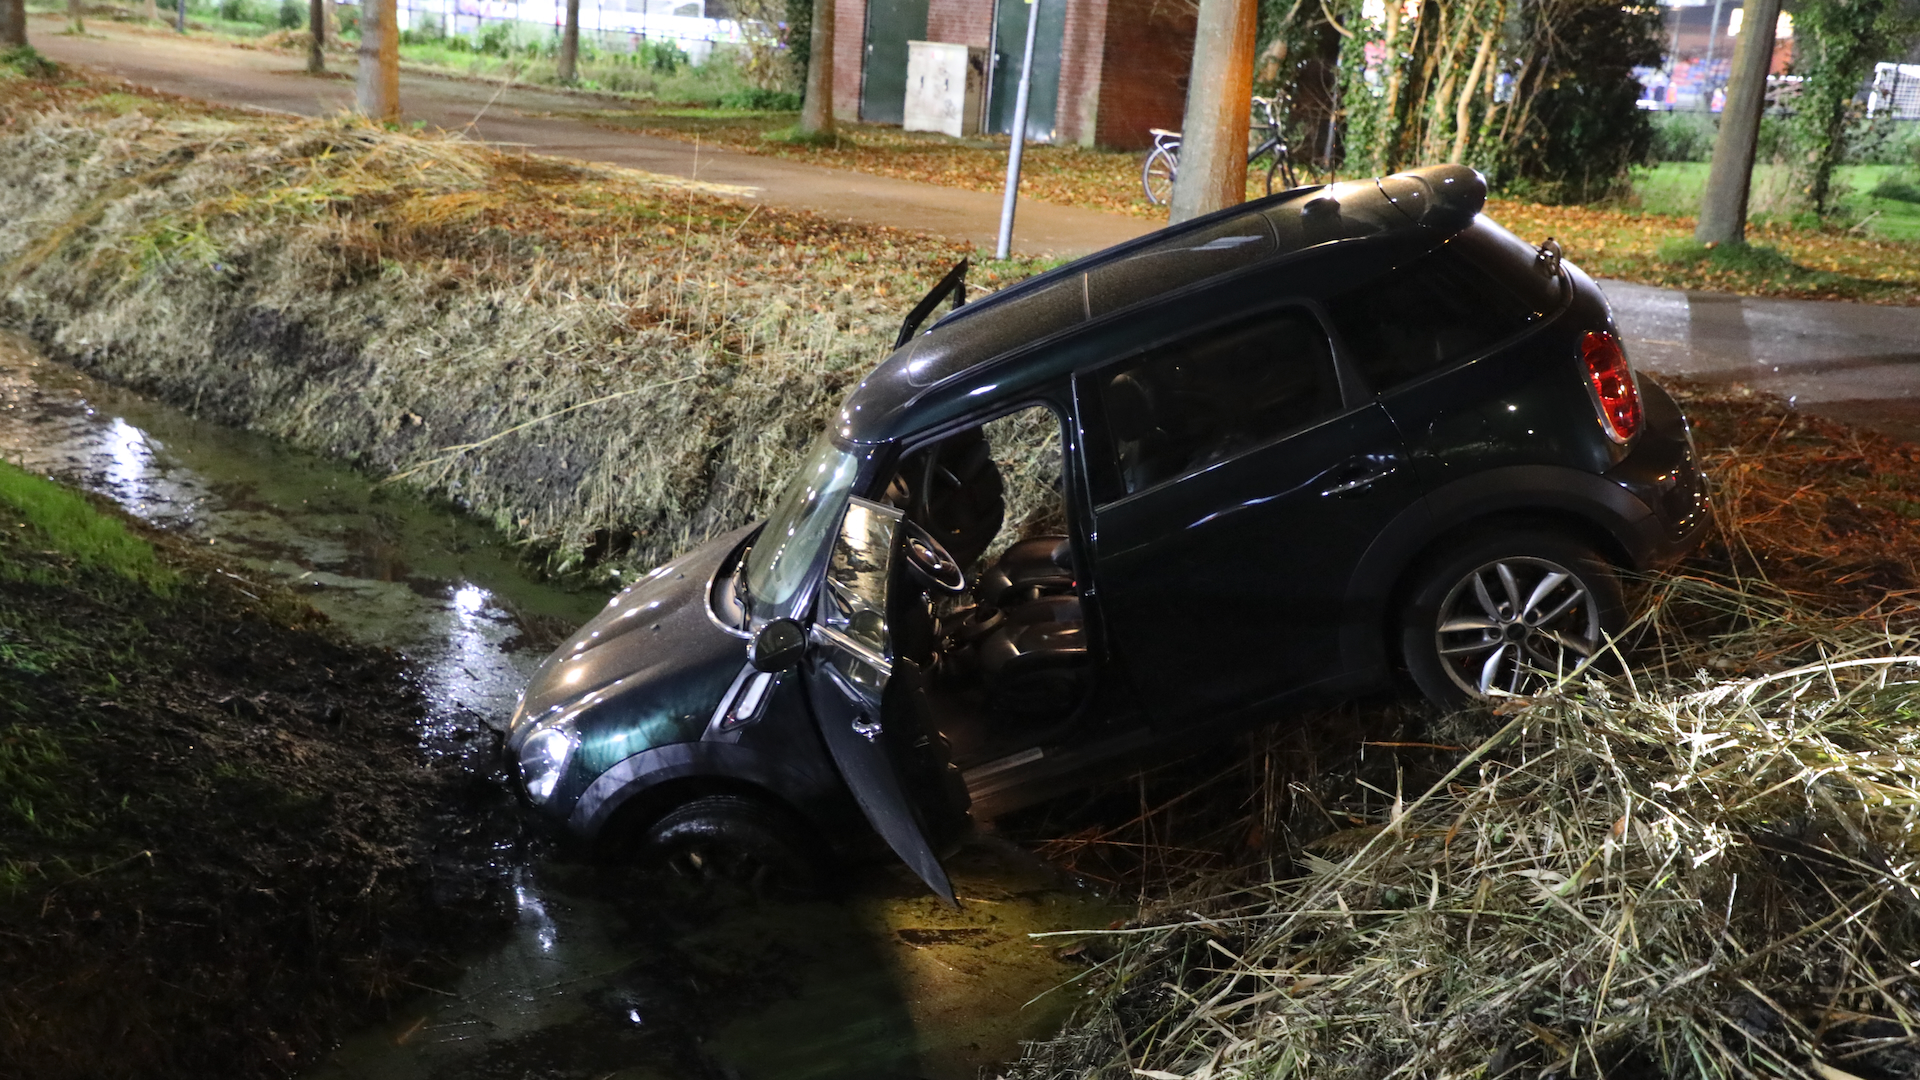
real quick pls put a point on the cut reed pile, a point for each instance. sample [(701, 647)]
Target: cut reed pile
[(600, 361), (1707, 868)]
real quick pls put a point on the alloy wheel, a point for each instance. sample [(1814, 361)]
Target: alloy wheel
[(1516, 624)]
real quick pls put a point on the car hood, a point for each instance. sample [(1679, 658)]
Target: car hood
[(655, 647)]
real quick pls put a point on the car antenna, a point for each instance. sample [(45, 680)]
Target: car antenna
[(955, 282)]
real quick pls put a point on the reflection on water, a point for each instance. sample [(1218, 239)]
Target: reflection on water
[(387, 568), (612, 975), (601, 976)]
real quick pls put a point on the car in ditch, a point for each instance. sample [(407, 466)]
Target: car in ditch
[(1298, 449)]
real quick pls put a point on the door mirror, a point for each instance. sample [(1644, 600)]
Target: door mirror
[(778, 646)]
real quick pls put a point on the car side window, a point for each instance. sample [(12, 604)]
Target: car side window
[(1184, 406), (1443, 309)]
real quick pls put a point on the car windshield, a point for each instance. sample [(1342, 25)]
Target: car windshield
[(801, 526)]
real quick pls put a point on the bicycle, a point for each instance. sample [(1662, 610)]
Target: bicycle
[(1163, 163)]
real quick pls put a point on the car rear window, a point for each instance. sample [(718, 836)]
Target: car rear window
[(1201, 400), (1449, 306)]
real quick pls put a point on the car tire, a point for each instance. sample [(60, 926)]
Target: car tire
[(1485, 604), (733, 844)]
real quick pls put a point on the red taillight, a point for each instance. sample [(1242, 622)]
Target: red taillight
[(1613, 385)]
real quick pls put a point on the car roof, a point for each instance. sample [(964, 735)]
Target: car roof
[(949, 358)]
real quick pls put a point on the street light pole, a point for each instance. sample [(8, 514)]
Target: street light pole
[(1019, 135)]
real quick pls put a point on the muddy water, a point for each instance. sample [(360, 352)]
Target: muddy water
[(600, 976)]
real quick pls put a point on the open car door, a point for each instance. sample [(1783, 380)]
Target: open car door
[(870, 704)]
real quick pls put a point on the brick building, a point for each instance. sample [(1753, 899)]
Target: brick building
[(1105, 71)]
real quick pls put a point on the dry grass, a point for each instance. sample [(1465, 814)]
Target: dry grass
[(596, 360), (1709, 868)]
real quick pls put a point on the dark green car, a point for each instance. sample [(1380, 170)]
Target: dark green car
[(1289, 450)]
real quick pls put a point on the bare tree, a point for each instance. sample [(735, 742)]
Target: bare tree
[(1213, 143), (377, 89), (317, 24), (816, 109), (570, 44), (1723, 206), (13, 23)]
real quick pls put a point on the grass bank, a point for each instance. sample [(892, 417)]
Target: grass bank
[(212, 854), (595, 360)]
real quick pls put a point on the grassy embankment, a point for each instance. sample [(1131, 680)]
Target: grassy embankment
[(592, 359), (581, 352), (212, 854)]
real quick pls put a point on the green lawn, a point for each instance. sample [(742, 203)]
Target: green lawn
[(1673, 187)]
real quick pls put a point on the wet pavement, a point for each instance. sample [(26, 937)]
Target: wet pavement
[(1859, 363), (602, 974)]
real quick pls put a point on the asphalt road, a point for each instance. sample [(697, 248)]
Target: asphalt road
[(1854, 362)]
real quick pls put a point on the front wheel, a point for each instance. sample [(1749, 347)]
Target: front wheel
[(1158, 175), (732, 843), (1511, 612)]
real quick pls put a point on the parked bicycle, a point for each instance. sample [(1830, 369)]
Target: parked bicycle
[(1163, 163)]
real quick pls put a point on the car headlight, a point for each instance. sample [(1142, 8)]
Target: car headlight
[(543, 759)]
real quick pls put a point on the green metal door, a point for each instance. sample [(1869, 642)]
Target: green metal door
[(1009, 43), (883, 73)]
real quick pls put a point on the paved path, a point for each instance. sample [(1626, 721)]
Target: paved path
[(1850, 361), (272, 80)]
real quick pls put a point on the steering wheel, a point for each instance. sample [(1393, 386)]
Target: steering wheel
[(928, 560)]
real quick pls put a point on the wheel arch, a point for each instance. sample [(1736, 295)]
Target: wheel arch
[(637, 791), (1586, 507)]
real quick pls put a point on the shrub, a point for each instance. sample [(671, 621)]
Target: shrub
[(26, 60), (1683, 135), (494, 39), (292, 14), (757, 98), (1898, 185)]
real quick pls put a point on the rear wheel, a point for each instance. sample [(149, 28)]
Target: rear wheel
[(736, 844), (1508, 612), (1158, 175)]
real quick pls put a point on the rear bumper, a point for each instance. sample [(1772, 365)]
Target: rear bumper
[(1663, 473)]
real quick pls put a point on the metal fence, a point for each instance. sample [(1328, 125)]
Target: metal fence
[(614, 25), (1896, 91)]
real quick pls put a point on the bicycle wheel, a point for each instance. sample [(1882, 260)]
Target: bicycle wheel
[(1158, 175), (1282, 165)]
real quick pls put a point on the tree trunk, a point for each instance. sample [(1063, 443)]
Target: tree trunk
[(13, 23), (74, 12), (816, 109), (377, 89), (317, 27), (152, 12), (1213, 145), (1723, 207), (570, 44)]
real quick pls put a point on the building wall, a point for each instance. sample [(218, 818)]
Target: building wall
[(849, 53), (1082, 64), (1149, 51), (1123, 63), (962, 22)]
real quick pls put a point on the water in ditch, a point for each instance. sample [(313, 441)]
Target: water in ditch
[(595, 978)]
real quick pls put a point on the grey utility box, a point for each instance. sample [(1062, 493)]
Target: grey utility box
[(944, 87)]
